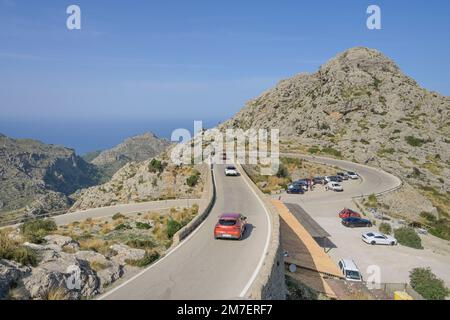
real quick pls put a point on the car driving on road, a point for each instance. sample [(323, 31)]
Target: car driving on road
[(335, 187), (374, 238), (354, 222), (231, 171), (230, 226)]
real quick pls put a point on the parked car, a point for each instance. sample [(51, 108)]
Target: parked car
[(231, 171), (352, 175), (299, 183), (349, 270), (319, 180), (342, 175), (335, 187), (295, 190), (354, 222), (374, 238), (348, 213), (230, 226), (333, 179)]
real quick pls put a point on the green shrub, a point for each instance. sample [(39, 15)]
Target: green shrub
[(148, 259), (282, 172), (408, 237), (118, 216), (122, 226), (143, 226), (11, 250), (332, 152), (193, 179), (415, 142), (313, 150), (385, 228), (156, 166), (141, 244), (172, 228), (35, 230), (425, 282), (428, 216)]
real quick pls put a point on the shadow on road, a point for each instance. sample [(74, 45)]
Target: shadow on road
[(248, 231)]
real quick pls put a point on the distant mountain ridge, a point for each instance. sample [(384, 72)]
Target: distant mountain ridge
[(135, 149), (37, 177)]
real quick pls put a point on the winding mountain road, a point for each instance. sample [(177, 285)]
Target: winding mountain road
[(204, 268)]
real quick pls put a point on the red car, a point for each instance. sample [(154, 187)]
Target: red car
[(348, 213), (230, 226)]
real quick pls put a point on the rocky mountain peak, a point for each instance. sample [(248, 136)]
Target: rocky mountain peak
[(138, 148)]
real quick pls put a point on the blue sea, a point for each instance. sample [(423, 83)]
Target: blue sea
[(92, 135)]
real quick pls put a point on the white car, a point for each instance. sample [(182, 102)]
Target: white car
[(352, 175), (335, 187), (349, 270), (231, 171), (374, 238)]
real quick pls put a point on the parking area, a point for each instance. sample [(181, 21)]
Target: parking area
[(394, 262)]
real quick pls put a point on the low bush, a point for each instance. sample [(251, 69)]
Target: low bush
[(385, 228), (141, 244), (122, 226), (282, 172), (408, 237), (148, 259), (118, 216), (35, 230), (425, 282), (156, 166), (415, 142), (314, 150), (193, 179), (332, 152), (11, 250), (172, 228), (143, 226)]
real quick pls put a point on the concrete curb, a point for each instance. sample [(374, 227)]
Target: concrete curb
[(269, 283), (209, 194)]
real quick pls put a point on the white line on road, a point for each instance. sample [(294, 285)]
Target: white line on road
[(157, 262), (266, 247)]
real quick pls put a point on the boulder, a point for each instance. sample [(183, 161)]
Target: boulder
[(62, 242), (10, 273), (65, 277), (107, 271), (124, 253)]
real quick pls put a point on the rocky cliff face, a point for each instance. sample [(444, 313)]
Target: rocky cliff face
[(361, 107), (37, 178), (137, 149), (153, 179)]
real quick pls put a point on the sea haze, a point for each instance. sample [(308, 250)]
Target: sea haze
[(91, 135)]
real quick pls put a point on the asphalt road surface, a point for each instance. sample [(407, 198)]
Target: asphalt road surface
[(204, 268)]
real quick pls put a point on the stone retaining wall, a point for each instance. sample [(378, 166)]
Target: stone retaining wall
[(270, 282)]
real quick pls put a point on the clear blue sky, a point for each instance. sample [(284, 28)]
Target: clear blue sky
[(162, 61)]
